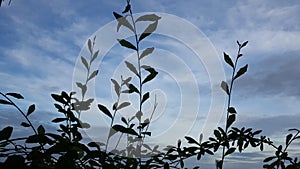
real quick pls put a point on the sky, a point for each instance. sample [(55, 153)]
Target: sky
[(41, 44)]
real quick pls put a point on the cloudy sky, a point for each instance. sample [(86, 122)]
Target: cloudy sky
[(41, 44)]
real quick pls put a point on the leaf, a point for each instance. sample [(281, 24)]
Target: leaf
[(6, 133), (95, 56), (124, 120), (151, 28), (241, 71), (59, 99), (288, 138), (152, 72), (116, 86), (5, 102), (131, 68), (90, 45), (225, 87), (230, 151), (146, 133), (41, 130), (126, 81), (132, 89), (139, 115), (82, 87), (126, 44), (191, 140), (269, 159), (24, 124), (230, 120), (122, 105), (57, 120), (146, 52), (232, 110), (15, 95), (244, 44), (111, 132), (200, 138), (218, 135), (105, 110), (84, 62), (148, 17), (128, 7), (30, 109), (145, 97), (122, 21), (93, 75), (122, 129), (228, 60)]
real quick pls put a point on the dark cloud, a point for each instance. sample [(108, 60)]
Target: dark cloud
[(275, 75)]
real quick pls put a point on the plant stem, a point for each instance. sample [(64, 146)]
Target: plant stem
[(229, 102)]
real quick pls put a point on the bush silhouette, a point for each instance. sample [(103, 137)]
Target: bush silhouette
[(66, 148)]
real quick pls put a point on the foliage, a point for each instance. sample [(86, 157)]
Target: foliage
[(66, 148)]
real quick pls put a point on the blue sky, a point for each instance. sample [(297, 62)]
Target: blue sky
[(41, 43)]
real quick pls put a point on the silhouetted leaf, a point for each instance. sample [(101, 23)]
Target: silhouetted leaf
[(111, 132), (151, 28), (244, 44), (93, 75), (146, 52), (230, 120), (232, 110), (241, 71), (30, 109), (139, 115), (132, 89), (146, 133), (6, 133), (84, 62), (148, 17), (269, 159), (59, 99), (145, 97), (105, 110), (257, 132), (5, 102), (124, 120), (116, 86), (82, 87), (122, 21), (230, 151), (122, 105), (122, 129), (191, 140), (131, 68), (41, 130), (127, 8), (218, 134), (228, 60), (152, 72), (95, 56), (126, 44), (24, 124), (57, 120), (200, 138), (90, 45), (15, 95), (225, 87), (126, 81), (288, 138), (95, 144)]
